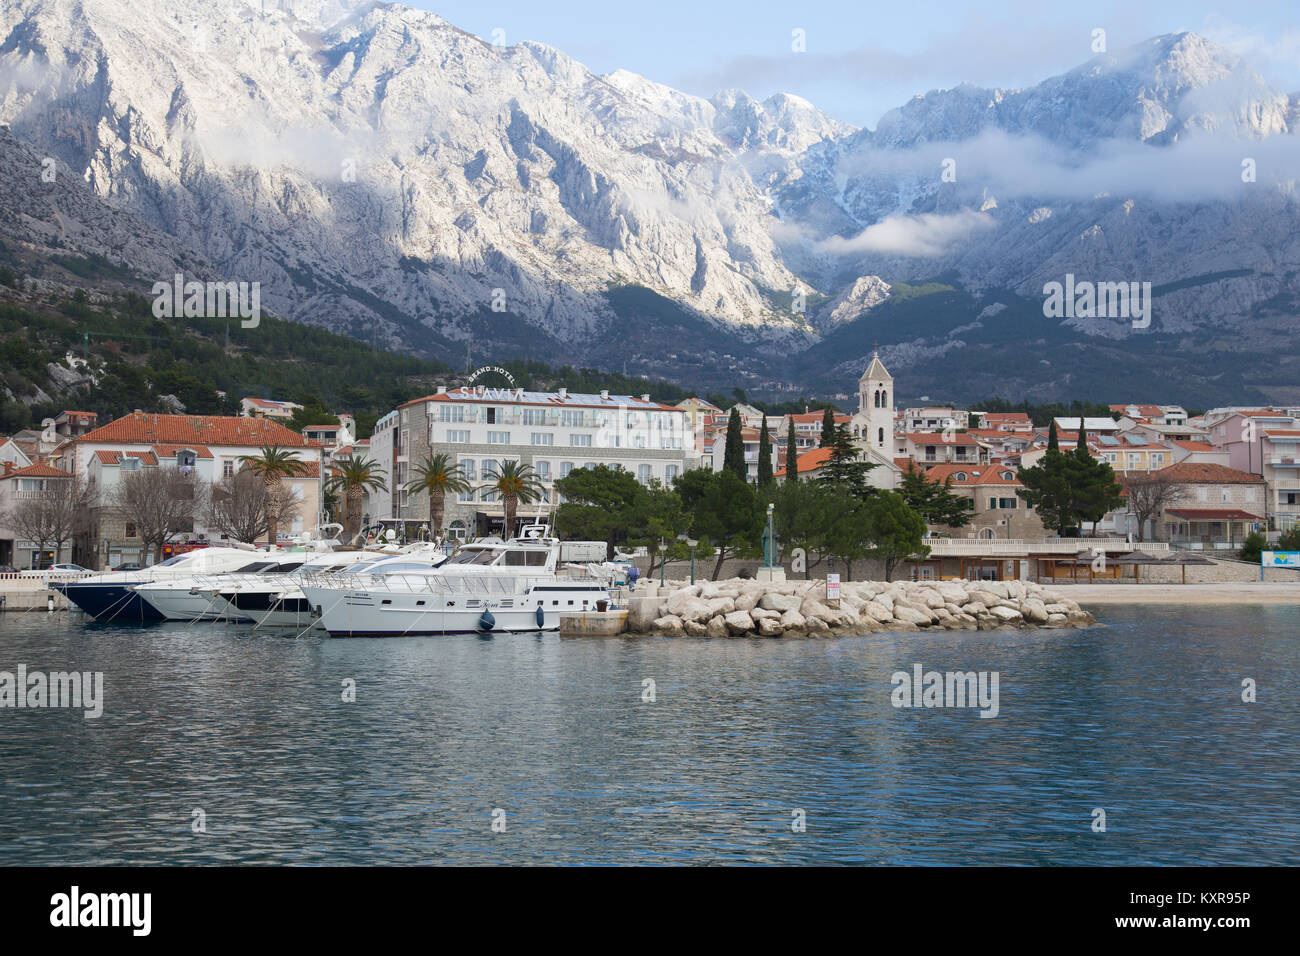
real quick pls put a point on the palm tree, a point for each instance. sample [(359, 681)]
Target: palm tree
[(438, 476), (355, 477), (272, 464), (516, 484)]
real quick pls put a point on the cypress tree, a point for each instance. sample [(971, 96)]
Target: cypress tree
[(791, 454), (734, 457), (764, 457), (828, 427), (1051, 436)]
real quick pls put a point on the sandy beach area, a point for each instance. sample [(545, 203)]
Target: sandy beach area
[(1238, 592)]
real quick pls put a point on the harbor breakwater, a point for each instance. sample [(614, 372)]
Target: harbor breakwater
[(739, 607)]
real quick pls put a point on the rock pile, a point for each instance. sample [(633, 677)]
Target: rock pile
[(738, 607)]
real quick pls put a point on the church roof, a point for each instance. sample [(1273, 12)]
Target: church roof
[(876, 370)]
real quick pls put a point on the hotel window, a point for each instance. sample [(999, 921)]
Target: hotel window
[(489, 469), (453, 413), (498, 438), (670, 473), (565, 468), (533, 416), (493, 415), (643, 474), (543, 438), (458, 436), (580, 441), (572, 418), (467, 470), (543, 469)]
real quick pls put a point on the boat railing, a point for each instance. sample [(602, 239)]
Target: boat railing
[(479, 583)]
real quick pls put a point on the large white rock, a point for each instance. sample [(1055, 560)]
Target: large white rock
[(739, 622), (792, 620), (769, 627), (910, 615), (780, 602), (1006, 615), (1034, 610), (669, 625), (717, 627), (678, 599), (877, 612)]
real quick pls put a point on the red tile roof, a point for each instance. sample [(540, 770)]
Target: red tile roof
[(974, 474), (1191, 472), (113, 457), (811, 460), (941, 438), (143, 429), (169, 451), (38, 470)]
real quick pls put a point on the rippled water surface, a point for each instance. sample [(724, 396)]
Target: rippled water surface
[(1142, 718)]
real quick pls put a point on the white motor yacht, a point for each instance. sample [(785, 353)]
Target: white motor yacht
[(487, 586)]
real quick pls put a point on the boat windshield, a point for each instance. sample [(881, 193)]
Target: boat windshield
[(479, 556), (255, 567)]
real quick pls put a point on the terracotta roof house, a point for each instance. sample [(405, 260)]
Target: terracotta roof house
[(211, 447)]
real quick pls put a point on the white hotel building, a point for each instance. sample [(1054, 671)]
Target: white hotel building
[(554, 432)]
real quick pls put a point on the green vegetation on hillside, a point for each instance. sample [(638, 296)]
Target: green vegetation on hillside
[(136, 360)]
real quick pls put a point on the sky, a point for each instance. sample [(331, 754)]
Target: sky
[(860, 59)]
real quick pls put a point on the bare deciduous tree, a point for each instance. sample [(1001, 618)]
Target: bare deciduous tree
[(1148, 496), (243, 506), (159, 502)]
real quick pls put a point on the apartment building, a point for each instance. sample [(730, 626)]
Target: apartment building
[(554, 432), (1265, 442)]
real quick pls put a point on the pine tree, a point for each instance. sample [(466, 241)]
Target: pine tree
[(734, 457), (764, 457), (791, 454), (845, 468), (828, 427), (935, 502)]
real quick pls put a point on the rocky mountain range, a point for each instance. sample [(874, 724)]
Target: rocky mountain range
[(382, 173)]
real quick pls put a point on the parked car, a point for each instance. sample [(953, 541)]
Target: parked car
[(54, 570)]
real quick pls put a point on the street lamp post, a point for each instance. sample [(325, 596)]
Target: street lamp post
[(692, 543), (771, 538), (663, 560)]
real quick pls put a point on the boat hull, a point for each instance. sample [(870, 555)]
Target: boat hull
[(111, 603), (422, 614)]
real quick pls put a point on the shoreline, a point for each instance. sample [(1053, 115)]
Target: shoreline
[(1236, 592)]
